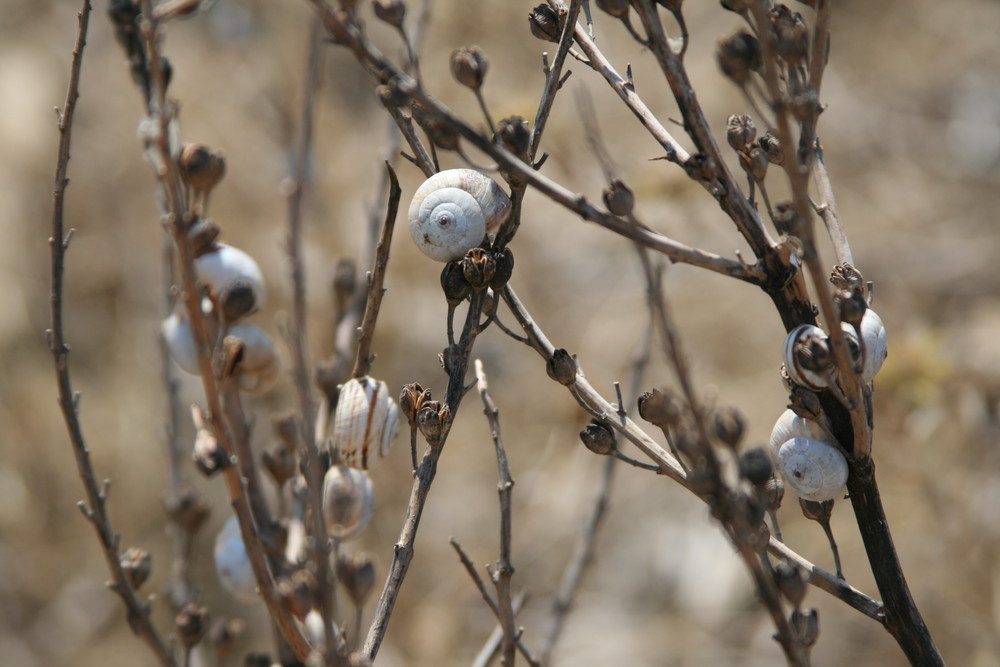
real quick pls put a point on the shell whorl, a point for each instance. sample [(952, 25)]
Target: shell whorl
[(453, 210), (807, 457), (365, 423)]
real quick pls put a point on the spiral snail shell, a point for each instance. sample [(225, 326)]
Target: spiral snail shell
[(876, 344), (808, 457), (223, 265), (232, 565), (365, 423), (348, 501), (260, 366), (176, 331), (453, 210), (809, 360)]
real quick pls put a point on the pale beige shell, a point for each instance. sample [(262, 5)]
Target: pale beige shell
[(224, 264), (348, 501), (798, 374), (366, 422), (453, 210), (261, 365), (176, 331), (232, 565), (807, 457)]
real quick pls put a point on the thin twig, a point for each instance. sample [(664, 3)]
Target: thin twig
[(492, 645), (95, 509)]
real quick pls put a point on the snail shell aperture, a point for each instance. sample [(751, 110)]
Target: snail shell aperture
[(453, 210), (224, 264)]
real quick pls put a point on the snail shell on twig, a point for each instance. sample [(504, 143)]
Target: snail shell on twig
[(365, 423), (808, 458), (453, 210), (806, 355), (348, 501), (260, 365), (223, 265), (876, 344), (176, 331), (232, 565)]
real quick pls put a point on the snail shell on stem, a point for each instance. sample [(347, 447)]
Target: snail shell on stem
[(808, 458), (876, 344), (366, 422), (222, 264), (453, 210), (260, 365), (348, 501), (232, 565)]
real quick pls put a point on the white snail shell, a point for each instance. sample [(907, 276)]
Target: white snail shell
[(796, 372), (260, 366), (348, 501), (365, 423), (453, 210), (232, 564), (224, 264), (808, 458), (176, 331), (876, 344)]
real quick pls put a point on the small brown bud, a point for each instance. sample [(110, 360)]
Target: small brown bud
[(187, 509), (775, 492), (816, 510), (357, 573), (771, 146), (805, 626), (137, 563), (846, 277), (787, 220), (201, 235), (738, 56), (514, 134), (449, 358), (700, 168), (201, 169), (279, 463), (792, 34), (478, 267), (561, 367), (852, 306), (544, 23), (504, 261), (755, 466), (791, 581), (660, 408), (299, 592), (469, 66), (432, 420), (754, 162), (391, 11), (191, 624), (618, 198), (729, 426), (616, 8), (599, 438), (740, 131), (454, 283)]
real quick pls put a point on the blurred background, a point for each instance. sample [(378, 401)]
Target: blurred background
[(912, 138)]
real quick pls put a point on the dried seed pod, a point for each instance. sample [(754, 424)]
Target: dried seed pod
[(561, 367), (504, 260), (544, 23), (660, 408), (755, 466), (618, 198), (365, 423), (223, 264), (771, 146), (599, 438), (357, 573), (432, 420), (391, 11), (201, 168), (807, 357), (729, 426), (514, 135), (469, 66), (137, 563), (348, 501), (259, 365), (232, 564), (191, 624), (411, 399), (740, 131), (454, 210), (478, 267), (176, 331), (738, 56)]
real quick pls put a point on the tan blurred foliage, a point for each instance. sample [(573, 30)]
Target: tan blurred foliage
[(912, 136)]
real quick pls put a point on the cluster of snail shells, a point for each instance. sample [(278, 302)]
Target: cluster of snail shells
[(454, 210), (805, 454), (365, 422), (868, 354), (221, 269)]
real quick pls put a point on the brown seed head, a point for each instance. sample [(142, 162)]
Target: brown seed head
[(479, 267), (191, 624), (791, 581), (391, 11), (771, 146), (660, 408), (599, 438), (561, 367), (755, 466), (740, 131), (618, 198), (504, 261), (454, 283), (544, 23), (137, 563), (729, 426), (357, 573), (469, 66), (738, 56), (514, 134)]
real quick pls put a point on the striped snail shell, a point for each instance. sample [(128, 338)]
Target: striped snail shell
[(348, 501), (808, 357), (453, 210), (808, 458), (365, 423)]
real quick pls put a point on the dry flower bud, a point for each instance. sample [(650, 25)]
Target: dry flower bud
[(357, 574), (771, 146), (599, 438), (846, 277), (754, 162), (469, 66), (449, 358), (201, 236), (805, 626), (411, 399), (298, 592), (432, 420), (820, 511), (616, 8), (279, 463), (479, 267), (391, 11), (137, 564), (201, 169), (561, 367), (740, 131), (729, 426), (775, 492), (454, 283), (787, 220), (504, 261), (755, 466), (191, 624), (544, 23), (792, 34), (738, 55), (209, 456), (701, 168), (618, 198), (791, 581), (188, 509), (514, 135), (660, 408)]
